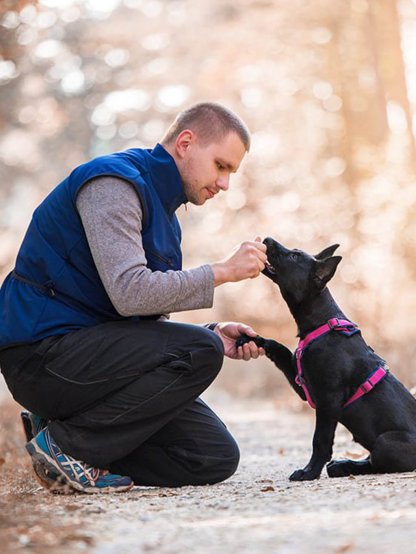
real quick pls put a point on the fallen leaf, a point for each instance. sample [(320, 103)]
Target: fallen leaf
[(354, 455), (345, 547)]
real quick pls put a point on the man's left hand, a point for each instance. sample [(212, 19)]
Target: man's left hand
[(229, 332)]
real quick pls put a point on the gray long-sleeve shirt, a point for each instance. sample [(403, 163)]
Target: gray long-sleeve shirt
[(111, 214)]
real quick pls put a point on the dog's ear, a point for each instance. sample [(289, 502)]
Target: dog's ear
[(326, 252), (324, 270)]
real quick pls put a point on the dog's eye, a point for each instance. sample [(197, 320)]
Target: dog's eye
[(294, 256)]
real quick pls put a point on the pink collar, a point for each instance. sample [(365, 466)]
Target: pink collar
[(347, 328)]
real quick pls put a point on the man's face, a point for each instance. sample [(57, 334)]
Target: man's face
[(206, 169)]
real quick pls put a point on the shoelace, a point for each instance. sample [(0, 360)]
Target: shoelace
[(77, 468), (94, 472), (91, 473)]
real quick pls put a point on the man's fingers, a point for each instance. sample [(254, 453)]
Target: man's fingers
[(243, 352), (260, 246), (249, 351), (246, 330), (254, 351), (258, 269)]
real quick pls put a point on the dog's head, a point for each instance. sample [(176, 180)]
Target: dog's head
[(299, 275)]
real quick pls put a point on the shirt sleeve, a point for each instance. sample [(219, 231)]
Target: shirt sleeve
[(111, 215)]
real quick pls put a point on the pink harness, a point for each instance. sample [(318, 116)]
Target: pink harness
[(346, 328)]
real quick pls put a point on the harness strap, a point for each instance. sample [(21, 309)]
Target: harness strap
[(346, 328), (368, 385), (334, 324), (300, 381)]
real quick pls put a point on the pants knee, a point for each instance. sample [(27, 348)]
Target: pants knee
[(227, 466), (207, 352), (216, 350), (232, 461)]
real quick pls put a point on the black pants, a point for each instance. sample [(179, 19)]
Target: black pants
[(124, 396)]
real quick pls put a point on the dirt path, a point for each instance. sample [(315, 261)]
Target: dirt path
[(256, 511)]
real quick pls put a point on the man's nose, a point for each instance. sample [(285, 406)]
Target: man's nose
[(223, 182)]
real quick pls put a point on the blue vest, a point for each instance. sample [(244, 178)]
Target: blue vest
[(55, 287)]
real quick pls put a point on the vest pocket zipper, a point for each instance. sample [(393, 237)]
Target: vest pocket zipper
[(160, 258), (45, 288)]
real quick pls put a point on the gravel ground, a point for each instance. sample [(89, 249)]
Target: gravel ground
[(257, 510)]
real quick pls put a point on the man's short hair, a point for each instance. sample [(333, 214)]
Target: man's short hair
[(210, 122)]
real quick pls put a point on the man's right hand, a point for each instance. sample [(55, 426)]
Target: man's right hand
[(247, 261)]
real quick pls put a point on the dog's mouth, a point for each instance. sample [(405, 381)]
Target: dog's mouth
[(270, 269)]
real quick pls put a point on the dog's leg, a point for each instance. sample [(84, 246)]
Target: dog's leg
[(275, 351), (394, 451), (280, 355), (283, 359), (323, 439)]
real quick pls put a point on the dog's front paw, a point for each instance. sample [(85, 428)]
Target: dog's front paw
[(244, 339), (303, 475)]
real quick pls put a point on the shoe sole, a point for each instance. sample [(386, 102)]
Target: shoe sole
[(47, 477), (53, 480)]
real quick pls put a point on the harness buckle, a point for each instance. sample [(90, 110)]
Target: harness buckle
[(367, 386), (333, 323), (299, 380)]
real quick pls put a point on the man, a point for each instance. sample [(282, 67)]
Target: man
[(84, 336)]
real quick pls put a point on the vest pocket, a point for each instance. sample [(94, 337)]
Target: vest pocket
[(156, 261), (47, 288)]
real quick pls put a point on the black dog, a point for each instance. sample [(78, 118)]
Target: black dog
[(334, 369)]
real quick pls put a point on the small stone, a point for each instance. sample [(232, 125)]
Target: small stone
[(24, 540)]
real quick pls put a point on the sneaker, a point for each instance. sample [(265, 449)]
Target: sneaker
[(32, 424), (49, 479), (55, 469)]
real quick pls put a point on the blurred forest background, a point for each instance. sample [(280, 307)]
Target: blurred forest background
[(328, 89)]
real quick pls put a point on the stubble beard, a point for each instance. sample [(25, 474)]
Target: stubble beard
[(193, 193)]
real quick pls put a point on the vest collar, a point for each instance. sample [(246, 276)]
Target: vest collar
[(166, 179)]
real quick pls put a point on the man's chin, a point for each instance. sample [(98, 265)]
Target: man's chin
[(197, 201)]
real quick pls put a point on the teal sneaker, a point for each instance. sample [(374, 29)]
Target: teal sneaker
[(47, 477), (32, 424), (57, 471)]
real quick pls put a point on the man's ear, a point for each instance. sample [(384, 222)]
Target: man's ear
[(183, 142), (326, 252), (324, 270)]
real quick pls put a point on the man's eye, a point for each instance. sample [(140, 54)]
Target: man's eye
[(220, 166)]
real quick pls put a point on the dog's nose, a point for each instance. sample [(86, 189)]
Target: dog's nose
[(268, 241)]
